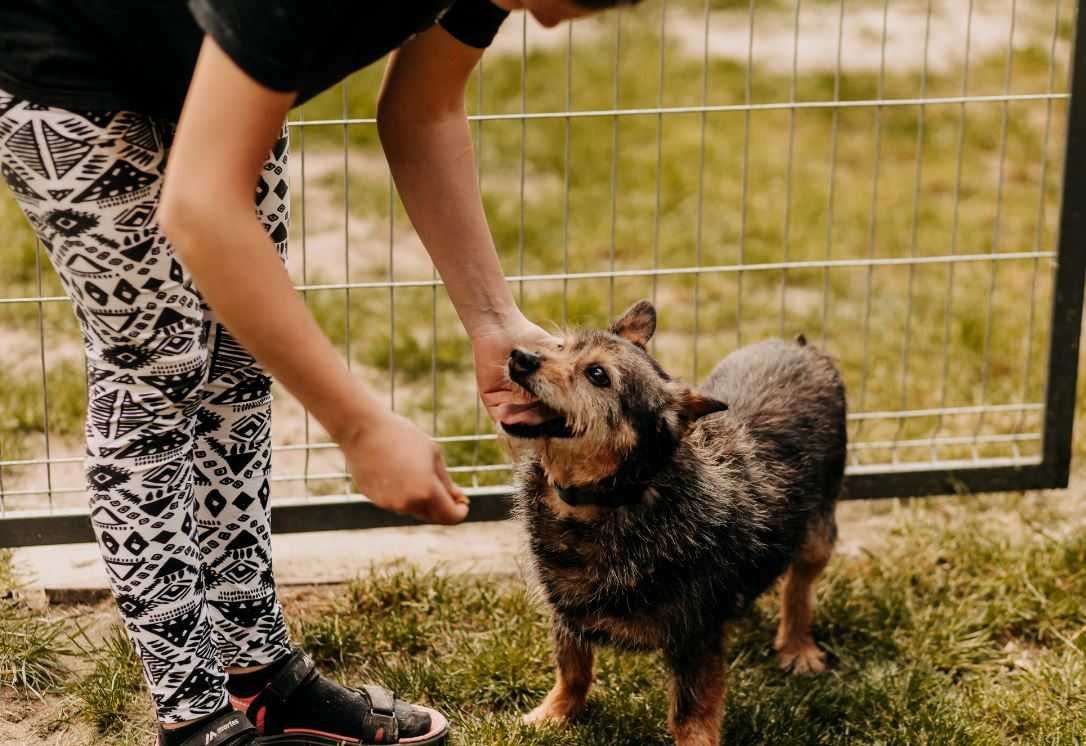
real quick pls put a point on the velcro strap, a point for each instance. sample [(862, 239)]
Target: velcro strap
[(381, 699), (221, 731), (380, 725), (295, 673)]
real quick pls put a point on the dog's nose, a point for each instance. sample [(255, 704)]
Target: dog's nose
[(522, 363)]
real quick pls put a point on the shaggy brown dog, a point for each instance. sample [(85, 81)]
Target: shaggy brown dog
[(657, 512)]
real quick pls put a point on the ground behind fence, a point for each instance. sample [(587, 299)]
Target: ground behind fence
[(885, 177)]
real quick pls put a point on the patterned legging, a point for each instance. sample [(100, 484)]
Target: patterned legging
[(178, 417)]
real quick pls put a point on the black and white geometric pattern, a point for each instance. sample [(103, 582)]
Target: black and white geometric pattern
[(178, 428)]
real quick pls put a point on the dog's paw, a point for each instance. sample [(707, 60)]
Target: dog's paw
[(802, 658), (546, 714)]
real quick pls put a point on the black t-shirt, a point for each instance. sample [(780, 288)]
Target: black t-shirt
[(138, 55)]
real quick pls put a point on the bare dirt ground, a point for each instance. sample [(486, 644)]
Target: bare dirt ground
[(825, 35)]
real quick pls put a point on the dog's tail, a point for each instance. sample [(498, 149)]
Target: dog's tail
[(801, 340)]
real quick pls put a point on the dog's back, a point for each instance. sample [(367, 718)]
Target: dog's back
[(791, 401)]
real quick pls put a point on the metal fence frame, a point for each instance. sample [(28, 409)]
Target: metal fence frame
[(1050, 470)]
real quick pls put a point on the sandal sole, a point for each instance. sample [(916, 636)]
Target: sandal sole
[(438, 735)]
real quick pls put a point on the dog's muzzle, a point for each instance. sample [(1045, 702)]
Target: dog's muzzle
[(522, 365)]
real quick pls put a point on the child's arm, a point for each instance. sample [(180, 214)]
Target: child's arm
[(424, 130), (227, 128)]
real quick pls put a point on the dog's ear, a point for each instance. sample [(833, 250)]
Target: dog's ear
[(696, 405), (638, 324)]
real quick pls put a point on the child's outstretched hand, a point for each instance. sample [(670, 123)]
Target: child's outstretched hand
[(400, 468)]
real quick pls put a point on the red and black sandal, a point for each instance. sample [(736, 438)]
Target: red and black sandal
[(384, 719), (228, 729)]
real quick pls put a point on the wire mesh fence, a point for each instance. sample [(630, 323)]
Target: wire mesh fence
[(884, 176)]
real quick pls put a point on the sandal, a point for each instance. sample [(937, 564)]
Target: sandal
[(228, 729), (385, 720)]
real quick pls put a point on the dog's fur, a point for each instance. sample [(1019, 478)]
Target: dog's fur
[(657, 512)]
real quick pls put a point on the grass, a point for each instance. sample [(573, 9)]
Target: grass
[(23, 402), (32, 650), (25, 265), (957, 631), (851, 190), (722, 189), (960, 623), (107, 696), (53, 659), (22, 399), (32, 653)]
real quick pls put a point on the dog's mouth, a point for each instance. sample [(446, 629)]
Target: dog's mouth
[(551, 423)]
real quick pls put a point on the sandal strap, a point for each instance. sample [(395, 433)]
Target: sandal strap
[(298, 670), (380, 725), (222, 730), (381, 699)]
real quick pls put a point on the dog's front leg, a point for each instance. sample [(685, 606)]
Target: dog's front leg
[(698, 682), (566, 700)]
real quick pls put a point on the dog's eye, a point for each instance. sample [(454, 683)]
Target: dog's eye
[(597, 376)]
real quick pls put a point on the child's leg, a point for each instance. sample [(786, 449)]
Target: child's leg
[(89, 184), (233, 464)]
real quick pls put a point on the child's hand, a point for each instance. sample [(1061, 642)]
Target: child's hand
[(399, 468), (503, 399)]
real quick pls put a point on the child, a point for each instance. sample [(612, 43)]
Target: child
[(133, 134)]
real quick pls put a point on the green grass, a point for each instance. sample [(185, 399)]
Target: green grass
[(24, 265), (885, 325), (32, 650), (32, 653), (18, 247), (962, 624), (22, 402), (472, 453), (954, 632), (22, 408), (108, 695)]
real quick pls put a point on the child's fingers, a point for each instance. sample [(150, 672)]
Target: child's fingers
[(455, 493)]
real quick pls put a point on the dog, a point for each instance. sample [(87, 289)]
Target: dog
[(656, 512)]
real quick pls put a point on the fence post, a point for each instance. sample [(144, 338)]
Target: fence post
[(1067, 296)]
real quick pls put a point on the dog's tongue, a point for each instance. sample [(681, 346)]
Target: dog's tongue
[(529, 414)]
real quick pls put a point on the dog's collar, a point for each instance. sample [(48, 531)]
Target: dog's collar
[(608, 493)]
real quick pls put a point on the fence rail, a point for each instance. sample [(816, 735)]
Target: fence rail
[(900, 209)]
